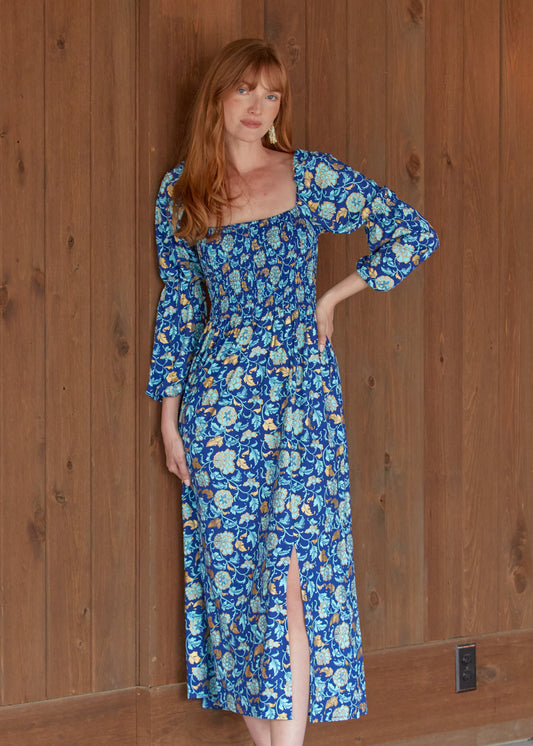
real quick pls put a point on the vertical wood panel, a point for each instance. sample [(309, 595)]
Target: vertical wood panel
[(168, 45), (482, 281), (404, 337), (326, 102), (68, 302), (285, 26), (515, 594), (364, 394), (443, 330), (22, 349), (253, 19), (146, 269), (113, 391)]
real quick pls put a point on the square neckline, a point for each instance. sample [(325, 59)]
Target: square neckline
[(211, 229)]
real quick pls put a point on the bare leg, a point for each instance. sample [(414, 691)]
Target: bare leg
[(259, 730), (292, 732)]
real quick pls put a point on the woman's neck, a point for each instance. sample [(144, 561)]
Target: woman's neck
[(243, 157)]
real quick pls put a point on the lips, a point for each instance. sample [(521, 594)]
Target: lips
[(251, 123)]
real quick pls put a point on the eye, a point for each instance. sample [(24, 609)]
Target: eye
[(273, 97), (242, 89)]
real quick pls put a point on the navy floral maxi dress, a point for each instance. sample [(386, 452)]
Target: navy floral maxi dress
[(263, 428)]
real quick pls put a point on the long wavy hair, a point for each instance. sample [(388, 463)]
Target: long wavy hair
[(201, 191)]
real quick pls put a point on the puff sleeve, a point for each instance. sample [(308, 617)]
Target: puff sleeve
[(181, 312), (340, 200)]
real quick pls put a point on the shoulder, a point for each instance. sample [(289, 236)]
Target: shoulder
[(169, 179), (164, 201), (315, 170)]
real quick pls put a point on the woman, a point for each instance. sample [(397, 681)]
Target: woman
[(252, 417)]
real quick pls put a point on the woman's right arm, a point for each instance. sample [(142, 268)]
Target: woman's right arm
[(174, 451), (181, 316)]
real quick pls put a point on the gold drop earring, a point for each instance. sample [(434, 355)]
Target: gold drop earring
[(272, 134)]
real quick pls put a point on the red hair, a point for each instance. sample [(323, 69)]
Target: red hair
[(201, 191)]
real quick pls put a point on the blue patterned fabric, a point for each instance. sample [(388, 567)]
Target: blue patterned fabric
[(263, 427)]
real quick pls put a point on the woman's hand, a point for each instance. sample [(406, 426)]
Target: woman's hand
[(175, 454), (174, 450), (325, 306), (324, 320)]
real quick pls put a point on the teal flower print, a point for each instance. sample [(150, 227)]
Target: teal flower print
[(278, 500), (224, 542), (245, 336), (228, 662), (222, 580), (278, 356), (234, 379), (223, 499), (379, 207), (331, 403), (340, 677), (193, 591), (210, 397), (384, 283), (227, 416), (273, 237), (227, 242), (355, 202), (253, 686), (403, 252), (224, 461), (260, 259), (325, 176), (235, 281), (342, 635), (327, 210), (323, 656)]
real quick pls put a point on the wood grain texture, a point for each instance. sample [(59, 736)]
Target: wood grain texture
[(443, 327), (167, 43), (285, 26), (113, 309), (22, 350), (481, 285), (365, 388), (326, 100), (68, 347), (404, 338), (515, 590), (253, 19), (107, 718)]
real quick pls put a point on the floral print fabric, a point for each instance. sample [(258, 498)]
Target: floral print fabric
[(263, 428)]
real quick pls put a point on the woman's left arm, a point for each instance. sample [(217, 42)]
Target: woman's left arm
[(340, 200)]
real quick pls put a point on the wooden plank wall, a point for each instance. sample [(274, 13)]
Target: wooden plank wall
[(432, 98)]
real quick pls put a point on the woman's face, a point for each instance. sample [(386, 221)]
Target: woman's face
[(249, 112)]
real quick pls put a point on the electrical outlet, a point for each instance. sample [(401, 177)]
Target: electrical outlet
[(465, 667)]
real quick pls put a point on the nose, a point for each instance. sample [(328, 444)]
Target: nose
[(255, 103)]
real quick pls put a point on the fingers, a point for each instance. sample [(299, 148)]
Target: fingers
[(175, 458), (324, 323), (183, 471)]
